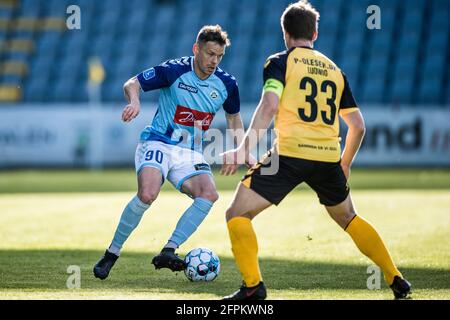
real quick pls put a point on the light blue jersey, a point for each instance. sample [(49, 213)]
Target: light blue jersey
[(187, 104)]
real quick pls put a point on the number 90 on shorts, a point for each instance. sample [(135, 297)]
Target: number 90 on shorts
[(175, 163)]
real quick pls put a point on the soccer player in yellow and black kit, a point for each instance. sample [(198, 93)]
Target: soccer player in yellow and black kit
[(306, 92)]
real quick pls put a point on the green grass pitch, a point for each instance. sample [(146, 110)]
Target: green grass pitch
[(52, 220)]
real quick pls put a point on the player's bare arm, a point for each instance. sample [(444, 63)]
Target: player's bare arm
[(131, 90), (261, 120), (354, 138)]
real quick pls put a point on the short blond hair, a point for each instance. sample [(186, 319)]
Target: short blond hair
[(300, 20)]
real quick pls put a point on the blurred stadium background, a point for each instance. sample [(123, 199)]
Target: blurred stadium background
[(400, 74), (406, 62), (60, 103)]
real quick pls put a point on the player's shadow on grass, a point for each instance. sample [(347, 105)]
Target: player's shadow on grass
[(48, 270)]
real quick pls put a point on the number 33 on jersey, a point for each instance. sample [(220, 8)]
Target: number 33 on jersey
[(313, 92)]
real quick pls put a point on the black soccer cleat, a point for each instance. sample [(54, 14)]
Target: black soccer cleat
[(401, 288), (168, 259), (257, 292), (104, 265)]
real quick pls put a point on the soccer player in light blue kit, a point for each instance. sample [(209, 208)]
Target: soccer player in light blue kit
[(192, 91)]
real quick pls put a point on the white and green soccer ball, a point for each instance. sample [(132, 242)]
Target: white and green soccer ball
[(202, 264)]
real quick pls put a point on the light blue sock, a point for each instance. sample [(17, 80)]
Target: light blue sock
[(190, 220), (131, 216)]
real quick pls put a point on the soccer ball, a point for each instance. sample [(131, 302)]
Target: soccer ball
[(202, 265)]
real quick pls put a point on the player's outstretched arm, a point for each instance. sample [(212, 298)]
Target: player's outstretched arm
[(261, 120), (234, 123), (355, 135), (263, 116), (131, 90)]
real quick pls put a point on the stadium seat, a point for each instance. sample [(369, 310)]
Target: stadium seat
[(409, 42), (55, 7), (419, 5), (150, 32), (413, 17), (447, 92), (374, 88), (403, 80), (377, 64), (29, 8), (62, 90), (6, 13), (430, 90), (36, 88)]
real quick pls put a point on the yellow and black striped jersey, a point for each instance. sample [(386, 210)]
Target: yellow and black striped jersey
[(313, 91)]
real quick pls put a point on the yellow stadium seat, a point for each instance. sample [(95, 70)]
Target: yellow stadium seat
[(10, 93), (19, 68)]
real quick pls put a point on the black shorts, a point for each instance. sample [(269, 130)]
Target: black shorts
[(326, 178)]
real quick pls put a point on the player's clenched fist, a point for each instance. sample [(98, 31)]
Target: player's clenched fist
[(131, 111)]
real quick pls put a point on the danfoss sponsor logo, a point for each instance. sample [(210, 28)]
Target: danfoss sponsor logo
[(189, 117)]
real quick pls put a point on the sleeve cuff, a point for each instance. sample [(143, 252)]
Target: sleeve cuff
[(345, 111)]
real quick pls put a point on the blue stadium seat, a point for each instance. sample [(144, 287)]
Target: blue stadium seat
[(48, 42), (409, 41), (2, 36), (62, 90), (438, 41), (30, 8), (447, 92), (101, 47), (163, 19), (329, 22), (129, 41), (326, 44), (381, 41), (430, 90), (357, 20), (388, 18), (6, 13), (125, 66), (20, 34), (434, 60), (418, 5), (55, 8), (413, 17), (36, 88), (403, 79), (440, 20), (11, 79), (41, 64), (351, 70), (16, 56), (220, 17), (377, 64), (246, 16), (111, 6), (75, 42), (113, 91), (374, 88), (70, 67), (352, 43), (109, 22), (335, 4), (440, 5)]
